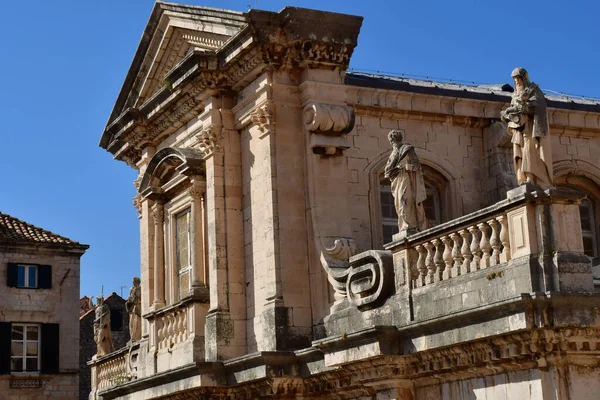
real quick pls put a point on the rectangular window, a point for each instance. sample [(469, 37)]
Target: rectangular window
[(182, 229), (25, 348), (27, 276), (389, 218)]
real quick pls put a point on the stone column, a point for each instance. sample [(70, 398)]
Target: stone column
[(159, 253), (197, 193)]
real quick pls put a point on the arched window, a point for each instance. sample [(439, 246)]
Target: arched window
[(589, 212), (435, 204)]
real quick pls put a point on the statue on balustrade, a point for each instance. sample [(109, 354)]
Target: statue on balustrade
[(102, 329), (527, 119), (134, 308), (408, 187)]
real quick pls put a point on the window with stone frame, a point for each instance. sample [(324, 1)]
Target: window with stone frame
[(434, 205), (183, 251), (29, 348), (25, 348)]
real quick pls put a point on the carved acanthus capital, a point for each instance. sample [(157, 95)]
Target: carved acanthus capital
[(264, 117), (158, 213), (137, 203), (196, 192), (210, 139)]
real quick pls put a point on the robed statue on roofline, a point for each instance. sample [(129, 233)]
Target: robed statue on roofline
[(527, 119)]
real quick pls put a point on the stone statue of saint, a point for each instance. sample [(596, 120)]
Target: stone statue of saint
[(408, 188), (134, 308), (527, 120), (102, 329)]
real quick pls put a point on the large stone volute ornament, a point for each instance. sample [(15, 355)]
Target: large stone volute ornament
[(527, 119), (328, 118), (370, 278), (364, 280), (328, 125)]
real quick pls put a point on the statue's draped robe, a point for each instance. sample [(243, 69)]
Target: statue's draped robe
[(133, 306), (408, 187), (531, 138), (102, 330)]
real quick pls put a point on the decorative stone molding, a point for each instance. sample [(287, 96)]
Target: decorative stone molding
[(335, 261), (196, 192), (158, 213), (137, 203), (264, 117), (370, 279), (329, 123), (210, 139), (328, 118)]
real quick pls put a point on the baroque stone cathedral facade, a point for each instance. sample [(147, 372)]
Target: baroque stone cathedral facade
[(269, 264)]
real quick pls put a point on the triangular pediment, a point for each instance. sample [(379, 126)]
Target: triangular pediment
[(173, 31)]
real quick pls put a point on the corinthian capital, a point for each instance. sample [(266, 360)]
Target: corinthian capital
[(158, 213), (264, 117), (210, 139)]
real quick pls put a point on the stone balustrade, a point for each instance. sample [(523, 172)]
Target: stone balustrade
[(465, 248), (115, 368), (171, 327)]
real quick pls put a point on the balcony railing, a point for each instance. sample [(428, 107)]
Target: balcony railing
[(115, 368), (476, 244)]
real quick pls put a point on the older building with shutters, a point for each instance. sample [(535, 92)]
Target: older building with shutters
[(39, 309), (270, 267)]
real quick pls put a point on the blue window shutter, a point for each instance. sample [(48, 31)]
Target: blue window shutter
[(11, 275), (4, 348), (45, 276)]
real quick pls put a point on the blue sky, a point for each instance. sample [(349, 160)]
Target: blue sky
[(63, 63)]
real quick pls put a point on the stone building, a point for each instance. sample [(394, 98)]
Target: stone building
[(119, 325), (268, 263), (39, 293)]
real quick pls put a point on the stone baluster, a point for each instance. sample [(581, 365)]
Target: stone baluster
[(429, 263), (421, 266), (456, 255), (505, 255), (485, 247), (447, 257), (495, 242), (466, 252), (438, 260), (475, 248)]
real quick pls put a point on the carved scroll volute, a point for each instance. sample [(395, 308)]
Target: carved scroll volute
[(371, 278), (329, 124), (335, 261)]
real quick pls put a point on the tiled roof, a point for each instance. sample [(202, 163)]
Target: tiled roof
[(13, 230)]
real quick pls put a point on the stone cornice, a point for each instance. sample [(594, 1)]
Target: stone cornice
[(533, 348), (292, 38)]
